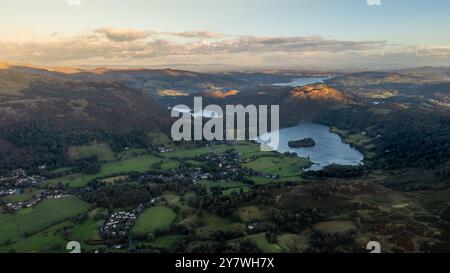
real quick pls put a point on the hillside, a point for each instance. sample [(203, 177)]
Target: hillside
[(66, 112), (318, 93), (152, 81)]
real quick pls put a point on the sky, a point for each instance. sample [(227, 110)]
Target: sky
[(263, 33)]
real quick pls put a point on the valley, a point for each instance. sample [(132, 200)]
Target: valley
[(87, 156)]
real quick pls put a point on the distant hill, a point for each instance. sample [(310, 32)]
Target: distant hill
[(320, 93), (432, 73), (38, 112), (222, 95), (151, 81), (424, 75), (93, 104), (311, 100)]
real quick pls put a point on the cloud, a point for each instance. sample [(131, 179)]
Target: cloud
[(199, 34), (72, 3), (374, 2), (256, 44), (129, 46), (123, 35), (437, 52)]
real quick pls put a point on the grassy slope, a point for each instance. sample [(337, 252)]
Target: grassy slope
[(153, 219), (46, 214)]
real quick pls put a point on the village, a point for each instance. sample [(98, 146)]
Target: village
[(221, 168), (224, 168), (120, 224)]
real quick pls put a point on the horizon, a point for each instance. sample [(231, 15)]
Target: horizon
[(204, 68), (365, 34)]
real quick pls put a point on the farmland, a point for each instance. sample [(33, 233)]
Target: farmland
[(191, 212), (31, 221), (153, 219)]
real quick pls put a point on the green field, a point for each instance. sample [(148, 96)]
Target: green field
[(137, 164), (170, 165), (154, 218), (293, 243), (282, 166), (22, 197), (224, 185), (167, 241), (48, 240), (189, 152), (228, 187), (206, 223), (236, 190), (131, 153), (88, 230), (73, 180), (53, 239), (261, 241), (46, 214), (61, 170), (101, 150), (135, 161)]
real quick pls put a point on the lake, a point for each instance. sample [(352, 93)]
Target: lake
[(329, 149), (303, 81), (204, 113)]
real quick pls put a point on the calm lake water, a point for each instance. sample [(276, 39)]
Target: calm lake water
[(303, 81), (329, 147)]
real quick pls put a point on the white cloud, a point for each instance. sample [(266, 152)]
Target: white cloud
[(123, 35), (374, 2), (126, 46), (72, 3)]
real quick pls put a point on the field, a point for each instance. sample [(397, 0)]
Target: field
[(282, 166), (46, 214), (138, 161), (22, 197), (153, 219), (55, 238), (137, 164), (114, 179), (73, 180), (206, 223), (293, 243), (188, 152), (167, 241), (223, 185), (261, 241), (247, 149)]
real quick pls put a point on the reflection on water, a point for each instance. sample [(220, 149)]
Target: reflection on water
[(303, 81), (329, 147)]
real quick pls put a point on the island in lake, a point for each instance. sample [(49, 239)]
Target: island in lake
[(303, 143)]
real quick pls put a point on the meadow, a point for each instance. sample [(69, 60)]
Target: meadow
[(279, 165), (138, 164), (152, 219), (27, 222)]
